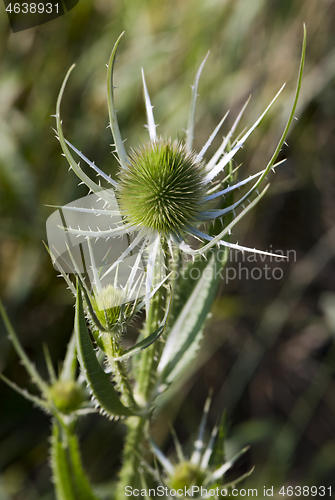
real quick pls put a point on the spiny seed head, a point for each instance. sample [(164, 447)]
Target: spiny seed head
[(163, 187)]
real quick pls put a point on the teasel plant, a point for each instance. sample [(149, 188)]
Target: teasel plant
[(65, 398), (155, 238)]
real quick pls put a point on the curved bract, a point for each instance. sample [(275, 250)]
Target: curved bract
[(165, 190)]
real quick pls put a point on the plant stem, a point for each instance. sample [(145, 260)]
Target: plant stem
[(112, 349), (146, 373), (145, 378), (69, 476), (132, 452)]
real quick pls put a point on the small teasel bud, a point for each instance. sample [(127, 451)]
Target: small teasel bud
[(109, 307), (186, 475), (67, 395)]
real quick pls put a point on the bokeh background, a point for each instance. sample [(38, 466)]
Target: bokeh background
[(269, 349)]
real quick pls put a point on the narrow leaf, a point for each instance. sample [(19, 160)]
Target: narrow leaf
[(186, 333)]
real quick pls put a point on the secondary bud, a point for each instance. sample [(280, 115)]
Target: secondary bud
[(186, 475), (66, 395)]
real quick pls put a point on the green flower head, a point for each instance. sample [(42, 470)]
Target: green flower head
[(163, 187)]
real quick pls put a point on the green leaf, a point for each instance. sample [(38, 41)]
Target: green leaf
[(185, 285), (98, 381), (143, 344), (187, 331)]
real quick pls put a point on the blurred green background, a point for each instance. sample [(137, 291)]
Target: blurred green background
[(269, 348)]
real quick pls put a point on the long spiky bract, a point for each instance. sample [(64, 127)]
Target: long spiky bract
[(121, 152), (191, 119), (165, 191), (151, 126), (201, 469)]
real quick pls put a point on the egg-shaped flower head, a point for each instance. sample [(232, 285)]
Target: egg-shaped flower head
[(165, 190)]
